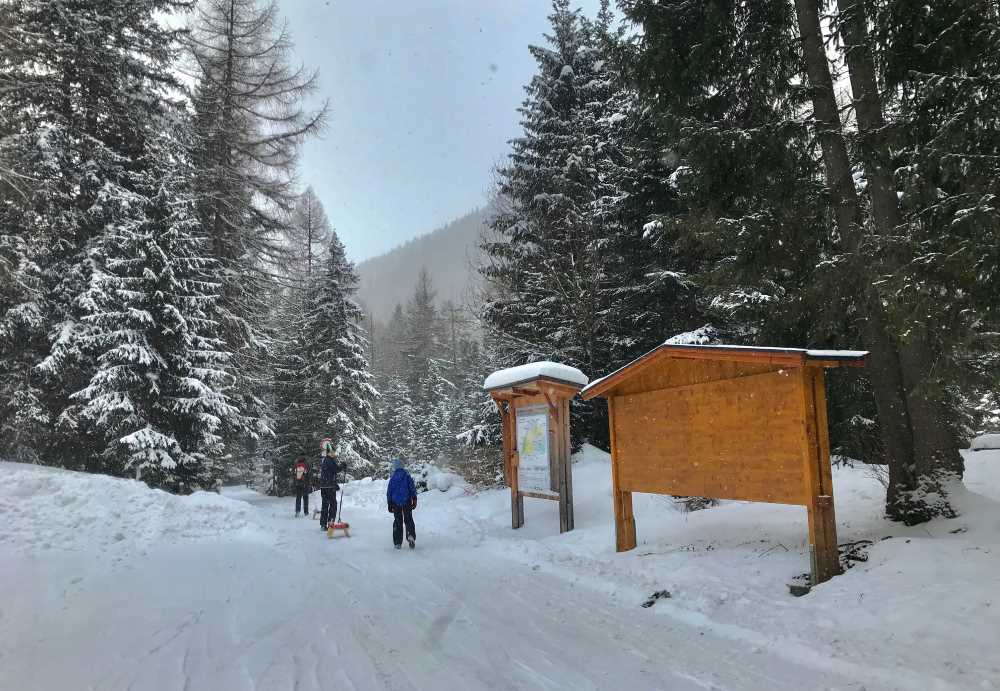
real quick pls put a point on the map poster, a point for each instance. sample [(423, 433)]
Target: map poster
[(533, 473)]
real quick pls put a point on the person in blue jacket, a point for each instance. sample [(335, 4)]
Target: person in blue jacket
[(402, 498)]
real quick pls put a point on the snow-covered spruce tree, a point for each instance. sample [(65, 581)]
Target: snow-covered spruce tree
[(85, 86), (556, 289), (157, 397), (23, 417), (336, 368), (294, 410), (433, 414), (391, 341), (939, 64), (751, 215), (423, 337), (395, 421), (250, 122), (694, 68)]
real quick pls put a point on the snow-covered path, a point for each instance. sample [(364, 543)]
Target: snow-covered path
[(218, 593), (303, 612)]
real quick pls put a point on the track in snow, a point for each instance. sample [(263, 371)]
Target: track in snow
[(292, 610)]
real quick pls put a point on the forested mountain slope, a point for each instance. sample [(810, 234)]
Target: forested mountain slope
[(449, 254)]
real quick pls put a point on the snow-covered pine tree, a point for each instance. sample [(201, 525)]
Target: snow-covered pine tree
[(391, 341), (940, 62), (433, 430), (395, 421), (336, 368), (555, 289), (85, 84), (652, 291), (250, 122), (157, 397), (23, 416), (764, 159), (294, 410), (423, 337)]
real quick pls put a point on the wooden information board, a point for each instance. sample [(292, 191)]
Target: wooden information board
[(726, 423), (534, 422)]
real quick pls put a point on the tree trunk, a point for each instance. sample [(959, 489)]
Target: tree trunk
[(935, 446), (887, 369)]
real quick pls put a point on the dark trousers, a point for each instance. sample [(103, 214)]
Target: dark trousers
[(399, 517), (301, 498), (329, 510)]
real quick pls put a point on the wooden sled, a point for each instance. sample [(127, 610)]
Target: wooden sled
[(332, 528)]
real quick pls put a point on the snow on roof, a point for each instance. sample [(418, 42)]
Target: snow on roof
[(810, 353), (836, 354), (533, 370), (700, 336)]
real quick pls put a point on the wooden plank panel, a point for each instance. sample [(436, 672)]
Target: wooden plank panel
[(620, 381), (727, 439), (670, 373), (539, 495)]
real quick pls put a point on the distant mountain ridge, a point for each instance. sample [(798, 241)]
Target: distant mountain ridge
[(449, 254)]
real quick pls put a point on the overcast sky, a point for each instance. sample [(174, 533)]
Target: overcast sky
[(423, 98)]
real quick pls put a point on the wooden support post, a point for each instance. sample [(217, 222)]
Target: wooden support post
[(566, 496), (507, 430), (823, 554), (516, 500), (624, 519), (555, 470)]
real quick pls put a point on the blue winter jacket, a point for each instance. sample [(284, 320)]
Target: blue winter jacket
[(401, 490)]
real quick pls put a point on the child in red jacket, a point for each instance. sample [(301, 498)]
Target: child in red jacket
[(301, 480)]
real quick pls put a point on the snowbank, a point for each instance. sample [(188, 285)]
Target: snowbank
[(51, 509), (985, 442), (533, 370), (924, 601), (700, 336), (183, 609)]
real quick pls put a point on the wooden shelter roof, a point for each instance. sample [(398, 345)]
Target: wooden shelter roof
[(782, 357), (528, 376)]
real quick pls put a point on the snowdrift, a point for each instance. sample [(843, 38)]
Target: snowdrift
[(52, 509), (919, 598), (986, 442)]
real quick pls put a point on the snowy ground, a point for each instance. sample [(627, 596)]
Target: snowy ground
[(108, 585)]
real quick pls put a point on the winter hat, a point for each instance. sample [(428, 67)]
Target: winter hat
[(397, 463)]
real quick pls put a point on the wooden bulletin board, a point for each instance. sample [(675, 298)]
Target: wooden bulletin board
[(747, 424), (534, 420)]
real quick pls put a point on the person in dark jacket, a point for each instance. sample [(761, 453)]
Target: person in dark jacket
[(301, 481), (328, 486), (402, 498)]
